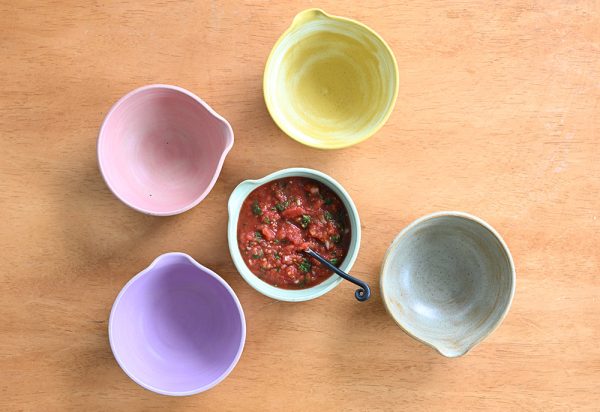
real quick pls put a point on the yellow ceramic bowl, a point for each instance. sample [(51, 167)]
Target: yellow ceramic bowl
[(330, 82)]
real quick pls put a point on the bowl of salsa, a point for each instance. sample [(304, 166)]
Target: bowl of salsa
[(273, 220)]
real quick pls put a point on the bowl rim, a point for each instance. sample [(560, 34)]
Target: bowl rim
[(101, 162), (236, 199), (385, 298), (214, 276), (299, 138)]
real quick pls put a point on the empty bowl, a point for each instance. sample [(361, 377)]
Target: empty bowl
[(161, 149), (448, 280), (177, 328), (330, 82)]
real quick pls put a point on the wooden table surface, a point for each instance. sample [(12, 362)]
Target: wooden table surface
[(498, 114)]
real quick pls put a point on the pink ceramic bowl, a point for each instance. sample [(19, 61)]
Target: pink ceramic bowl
[(161, 149)]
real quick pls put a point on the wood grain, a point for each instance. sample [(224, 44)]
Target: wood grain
[(498, 115)]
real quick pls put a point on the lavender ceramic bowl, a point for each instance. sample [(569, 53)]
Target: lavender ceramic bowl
[(177, 328), (161, 149)]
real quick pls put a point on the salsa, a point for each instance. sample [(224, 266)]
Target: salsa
[(281, 219)]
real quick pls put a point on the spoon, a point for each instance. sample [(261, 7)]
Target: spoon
[(361, 294)]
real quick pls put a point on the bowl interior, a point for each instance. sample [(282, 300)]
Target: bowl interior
[(448, 281), (291, 295), (330, 82), (160, 148), (176, 329)]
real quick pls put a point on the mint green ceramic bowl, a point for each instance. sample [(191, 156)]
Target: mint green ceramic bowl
[(236, 199)]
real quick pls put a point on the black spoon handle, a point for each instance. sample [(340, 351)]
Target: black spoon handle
[(361, 294)]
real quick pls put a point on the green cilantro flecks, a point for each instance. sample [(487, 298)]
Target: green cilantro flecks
[(282, 206), (305, 221), (305, 266), (258, 255), (256, 208)]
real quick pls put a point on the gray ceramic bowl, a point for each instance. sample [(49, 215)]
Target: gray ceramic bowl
[(448, 280)]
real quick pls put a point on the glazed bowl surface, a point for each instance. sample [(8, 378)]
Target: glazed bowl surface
[(161, 149), (177, 328), (448, 280), (330, 82)]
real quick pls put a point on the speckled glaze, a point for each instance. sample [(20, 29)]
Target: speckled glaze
[(330, 82), (448, 280), (161, 149), (236, 199)]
